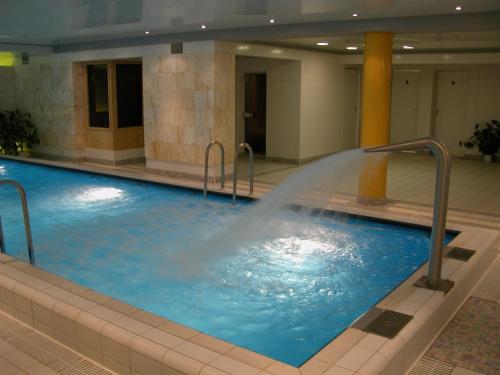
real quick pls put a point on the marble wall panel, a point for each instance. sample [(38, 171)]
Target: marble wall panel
[(47, 91), (188, 100)]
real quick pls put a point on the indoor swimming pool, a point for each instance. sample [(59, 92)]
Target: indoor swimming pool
[(285, 296)]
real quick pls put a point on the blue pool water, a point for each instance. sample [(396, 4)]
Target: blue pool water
[(285, 296)]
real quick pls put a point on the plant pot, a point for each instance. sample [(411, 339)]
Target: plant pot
[(488, 158)]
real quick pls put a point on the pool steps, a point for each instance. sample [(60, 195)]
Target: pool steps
[(130, 341), (242, 146), (26, 218), (222, 175)]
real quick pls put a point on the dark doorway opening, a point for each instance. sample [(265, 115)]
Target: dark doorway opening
[(255, 111)]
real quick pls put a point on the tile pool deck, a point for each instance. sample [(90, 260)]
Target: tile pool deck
[(129, 340)]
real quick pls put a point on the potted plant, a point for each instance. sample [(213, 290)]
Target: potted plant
[(486, 138), (17, 133)]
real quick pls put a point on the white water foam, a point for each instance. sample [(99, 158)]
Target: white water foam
[(266, 219)]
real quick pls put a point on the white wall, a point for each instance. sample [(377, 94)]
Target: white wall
[(321, 99), (8, 88), (322, 106), (483, 99), (282, 103)]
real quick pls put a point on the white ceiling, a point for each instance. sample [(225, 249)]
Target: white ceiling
[(463, 41), (65, 22)]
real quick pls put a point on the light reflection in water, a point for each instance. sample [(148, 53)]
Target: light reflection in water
[(99, 194), (2, 170)]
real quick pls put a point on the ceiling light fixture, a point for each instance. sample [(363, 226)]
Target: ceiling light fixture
[(355, 14), (351, 48), (408, 47), (272, 20), (458, 8), (203, 26), (322, 43)]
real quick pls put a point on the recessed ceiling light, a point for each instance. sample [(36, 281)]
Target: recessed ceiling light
[(272, 20), (322, 43), (408, 47), (203, 26), (146, 32), (458, 8), (355, 14), (351, 48)]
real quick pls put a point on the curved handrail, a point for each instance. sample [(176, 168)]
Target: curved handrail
[(26, 216), (207, 154), (440, 151), (235, 170)]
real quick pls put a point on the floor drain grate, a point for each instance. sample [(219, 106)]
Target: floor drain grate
[(385, 323), (460, 253), (51, 354), (431, 366)]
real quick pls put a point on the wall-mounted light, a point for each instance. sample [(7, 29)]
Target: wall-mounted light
[(458, 8), (146, 32), (272, 20), (322, 43), (7, 59), (408, 47), (203, 26), (243, 48), (355, 14), (351, 48)]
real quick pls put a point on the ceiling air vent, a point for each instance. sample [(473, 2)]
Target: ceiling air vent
[(251, 7), (176, 48)]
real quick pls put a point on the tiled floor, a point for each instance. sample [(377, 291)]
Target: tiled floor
[(474, 185), (471, 341), (25, 351)]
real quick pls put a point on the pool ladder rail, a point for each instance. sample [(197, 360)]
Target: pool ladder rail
[(440, 151), (241, 147), (26, 216), (207, 154)]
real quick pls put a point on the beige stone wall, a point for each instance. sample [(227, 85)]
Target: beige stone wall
[(8, 90), (188, 100), (46, 90)]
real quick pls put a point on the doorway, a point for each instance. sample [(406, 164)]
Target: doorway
[(404, 107), (255, 111), (450, 109)]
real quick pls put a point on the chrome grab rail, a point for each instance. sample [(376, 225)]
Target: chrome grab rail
[(235, 170), (207, 154), (2, 241), (26, 216), (440, 151)]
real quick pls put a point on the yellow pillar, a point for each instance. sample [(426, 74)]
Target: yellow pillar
[(375, 112)]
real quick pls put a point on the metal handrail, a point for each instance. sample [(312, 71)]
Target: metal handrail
[(26, 216), (242, 146), (207, 154), (440, 151)]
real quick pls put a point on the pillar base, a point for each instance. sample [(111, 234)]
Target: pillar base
[(372, 201)]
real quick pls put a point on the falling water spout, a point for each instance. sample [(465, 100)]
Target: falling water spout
[(440, 151)]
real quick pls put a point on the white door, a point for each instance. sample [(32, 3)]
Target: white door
[(404, 106), (351, 103), (451, 109)]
